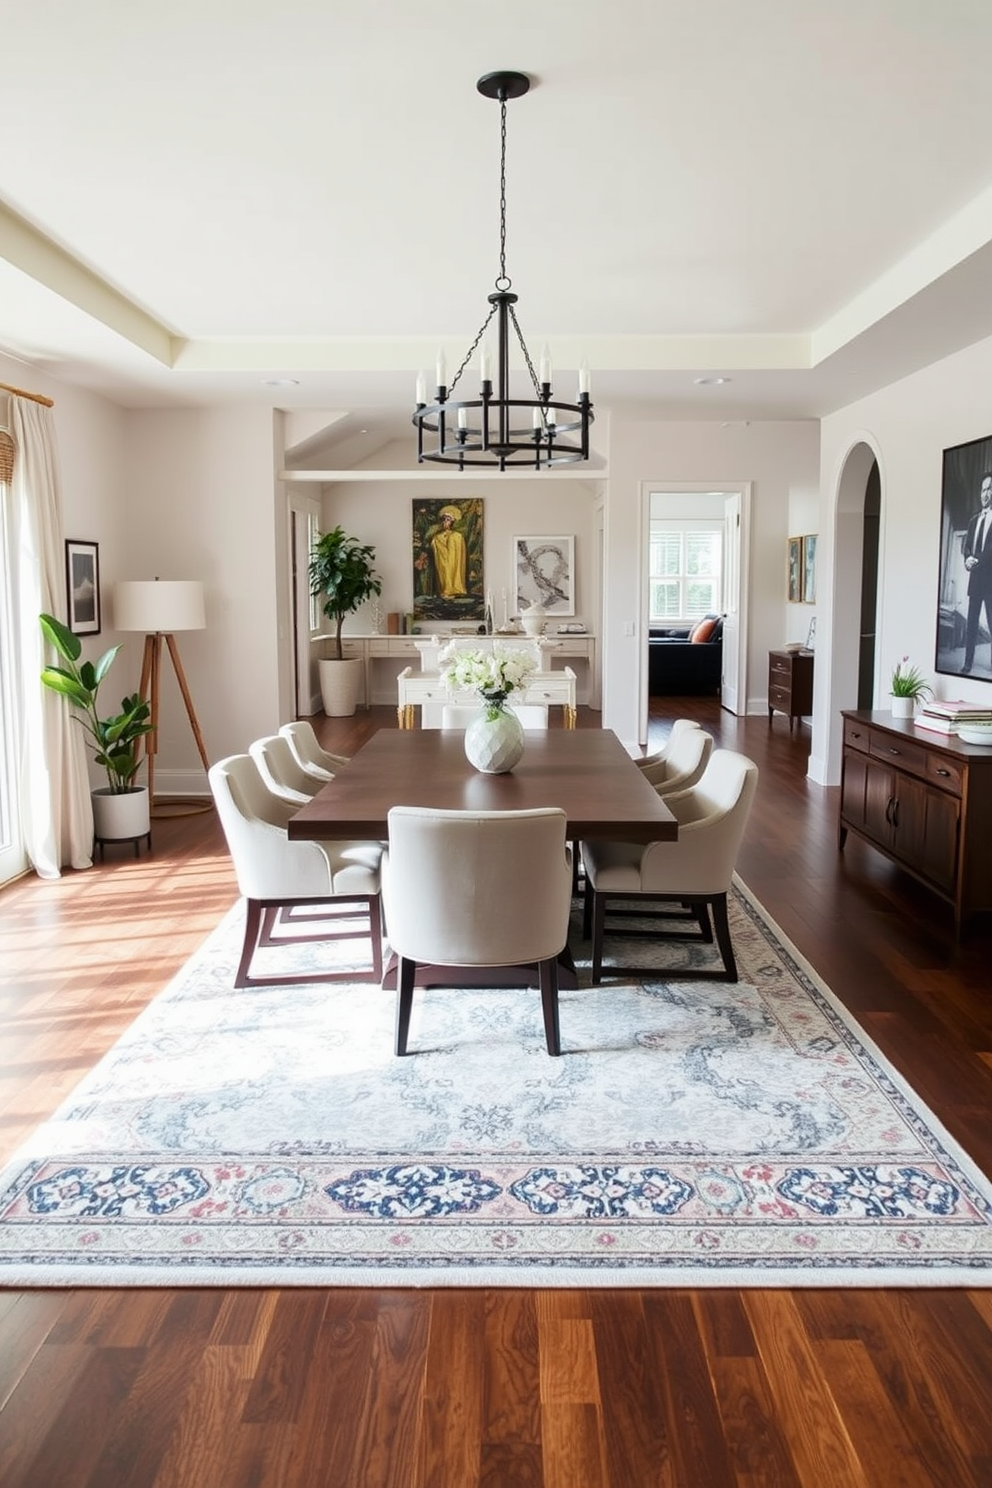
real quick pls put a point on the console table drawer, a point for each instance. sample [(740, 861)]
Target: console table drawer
[(856, 736), (901, 752), (946, 773)]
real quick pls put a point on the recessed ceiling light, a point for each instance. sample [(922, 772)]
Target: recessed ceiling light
[(709, 381), (281, 382)]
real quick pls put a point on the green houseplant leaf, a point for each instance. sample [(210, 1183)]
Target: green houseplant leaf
[(113, 740), (341, 574)]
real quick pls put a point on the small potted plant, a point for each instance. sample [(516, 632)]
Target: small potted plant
[(908, 688), (341, 574), (121, 809)]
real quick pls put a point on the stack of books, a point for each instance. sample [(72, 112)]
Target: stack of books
[(943, 716)]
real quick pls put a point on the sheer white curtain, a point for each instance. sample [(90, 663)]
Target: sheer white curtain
[(56, 815)]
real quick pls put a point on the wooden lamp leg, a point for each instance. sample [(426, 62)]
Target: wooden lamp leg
[(170, 641), (151, 670)]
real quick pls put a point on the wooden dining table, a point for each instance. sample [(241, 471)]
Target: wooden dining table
[(586, 772)]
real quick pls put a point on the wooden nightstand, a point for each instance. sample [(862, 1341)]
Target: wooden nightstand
[(790, 684)]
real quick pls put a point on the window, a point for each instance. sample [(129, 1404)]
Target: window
[(685, 571)]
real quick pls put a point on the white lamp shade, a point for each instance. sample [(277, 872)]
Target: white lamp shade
[(159, 604)]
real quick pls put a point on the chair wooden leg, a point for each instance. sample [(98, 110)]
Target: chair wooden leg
[(549, 1003), (719, 907), (598, 932), (254, 920), (701, 909), (587, 900), (404, 1001), (375, 930)]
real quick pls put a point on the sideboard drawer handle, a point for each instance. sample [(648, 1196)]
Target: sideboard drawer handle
[(943, 772), (893, 751)]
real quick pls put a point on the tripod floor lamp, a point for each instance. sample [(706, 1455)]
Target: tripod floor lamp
[(160, 607)]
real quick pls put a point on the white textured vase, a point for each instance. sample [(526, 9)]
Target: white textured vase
[(903, 707), (494, 745)]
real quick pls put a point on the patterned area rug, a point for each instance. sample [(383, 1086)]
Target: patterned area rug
[(693, 1133)]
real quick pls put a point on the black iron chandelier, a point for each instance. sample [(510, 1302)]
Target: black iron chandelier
[(495, 429)]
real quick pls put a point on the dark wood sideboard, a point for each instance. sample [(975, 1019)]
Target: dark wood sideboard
[(790, 684), (925, 801)]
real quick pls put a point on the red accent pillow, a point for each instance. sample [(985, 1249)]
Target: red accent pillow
[(702, 631)]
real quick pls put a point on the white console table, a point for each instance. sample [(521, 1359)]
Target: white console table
[(426, 691), (377, 651)]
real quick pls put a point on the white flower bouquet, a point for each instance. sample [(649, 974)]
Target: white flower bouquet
[(494, 674)]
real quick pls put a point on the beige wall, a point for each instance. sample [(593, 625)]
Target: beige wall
[(778, 459), (379, 512), (908, 425), (200, 505)]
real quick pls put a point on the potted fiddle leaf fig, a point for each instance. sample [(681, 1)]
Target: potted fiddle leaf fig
[(343, 578), (121, 809)]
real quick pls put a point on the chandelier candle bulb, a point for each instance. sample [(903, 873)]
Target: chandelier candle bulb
[(463, 418), (485, 364), (584, 378), (442, 370), (545, 373), (421, 389)]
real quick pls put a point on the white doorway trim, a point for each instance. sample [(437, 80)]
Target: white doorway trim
[(740, 557)]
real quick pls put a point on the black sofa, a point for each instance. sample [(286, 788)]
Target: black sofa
[(678, 666)]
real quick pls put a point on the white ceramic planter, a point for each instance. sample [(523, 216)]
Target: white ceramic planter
[(118, 818), (340, 682), (902, 707), (494, 745)]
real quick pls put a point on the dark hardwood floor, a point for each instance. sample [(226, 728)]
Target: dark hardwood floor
[(454, 1388)]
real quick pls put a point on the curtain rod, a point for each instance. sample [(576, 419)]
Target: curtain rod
[(20, 393)]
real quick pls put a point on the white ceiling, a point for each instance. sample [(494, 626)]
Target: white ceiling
[(197, 198)]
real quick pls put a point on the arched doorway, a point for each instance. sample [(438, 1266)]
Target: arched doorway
[(871, 525), (852, 663)]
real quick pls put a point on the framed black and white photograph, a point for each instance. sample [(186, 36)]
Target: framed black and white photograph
[(964, 592), (794, 570), (544, 573), (82, 578), (809, 568)]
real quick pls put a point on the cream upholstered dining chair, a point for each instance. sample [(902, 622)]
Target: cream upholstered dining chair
[(277, 875), (477, 889), (283, 774), (693, 873), (460, 715), (310, 756), (649, 763), (684, 762)]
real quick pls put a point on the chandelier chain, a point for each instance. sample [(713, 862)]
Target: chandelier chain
[(523, 348), (503, 282), (472, 349)]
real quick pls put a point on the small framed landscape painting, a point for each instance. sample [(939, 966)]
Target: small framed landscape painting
[(82, 579), (794, 570), (544, 573)]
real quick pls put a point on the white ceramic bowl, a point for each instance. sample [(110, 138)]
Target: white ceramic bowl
[(975, 733)]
